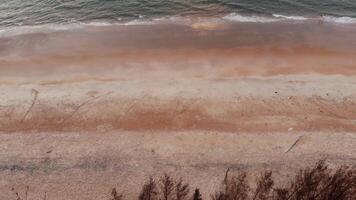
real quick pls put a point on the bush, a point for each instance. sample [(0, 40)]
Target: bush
[(169, 189), (315, 183), (320, 183)]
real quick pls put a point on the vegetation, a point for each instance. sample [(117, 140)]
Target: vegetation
[(311, 183), (315, 183)]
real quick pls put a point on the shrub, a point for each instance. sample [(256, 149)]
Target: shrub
[(233, 188), (311, 183), (197, 195), (115, 195), (264, 187), (149, 191), (169, 189), (320, 183)]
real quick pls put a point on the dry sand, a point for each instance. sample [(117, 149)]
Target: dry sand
[(87, 115)]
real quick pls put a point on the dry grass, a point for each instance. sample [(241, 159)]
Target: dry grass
[(311, 183), (320, 183), (26, 195), (233, 187), (315, 183), (166, 188), (115, 195)]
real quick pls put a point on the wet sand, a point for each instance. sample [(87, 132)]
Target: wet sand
[(226, 50), (84, 110)]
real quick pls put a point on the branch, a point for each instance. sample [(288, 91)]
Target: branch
[(295, 143), (35, 94), (82, 105)]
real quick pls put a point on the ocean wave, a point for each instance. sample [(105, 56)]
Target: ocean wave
[(95, 23), (243, 18), (279, 17), (341, 20), (190, 21), (47, 28), (137, 22), (290, 17), (328, 19)]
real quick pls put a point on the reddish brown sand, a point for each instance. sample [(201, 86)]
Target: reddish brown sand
[(86, 110)]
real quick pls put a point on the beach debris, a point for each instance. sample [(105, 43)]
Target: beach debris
[(35, 95), (91, 99), (294, 144)]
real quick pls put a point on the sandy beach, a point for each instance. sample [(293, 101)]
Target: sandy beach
[(79, 116)]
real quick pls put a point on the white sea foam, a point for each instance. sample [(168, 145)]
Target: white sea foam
[(290, 17), (330, 19), (242, 18), (48, 28), (137, 22), (341, 20), (97, 23), (278, 17)]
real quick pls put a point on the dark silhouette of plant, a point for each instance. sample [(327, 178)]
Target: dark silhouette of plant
[(233, 188), (167, 187), (149, 191), (220, 196), (341, 185), (115, 195), (319, 183), (18, 196), (264, 186), (182, 190), (280, 194), (309, 181), (315, 183), (197, 195)]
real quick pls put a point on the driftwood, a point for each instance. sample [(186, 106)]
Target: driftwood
[(35, 95), (82, 105), (295, 143)]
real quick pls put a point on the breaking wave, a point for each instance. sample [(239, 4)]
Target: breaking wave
[(232, 17)]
